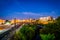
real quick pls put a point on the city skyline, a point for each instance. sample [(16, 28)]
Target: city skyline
[(24, 9)]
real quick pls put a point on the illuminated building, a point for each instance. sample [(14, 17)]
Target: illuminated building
[(45, 20), (7, 22), (49, 18), (2, 21), (17, 20)]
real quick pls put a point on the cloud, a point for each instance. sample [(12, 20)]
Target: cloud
[(33, 14)]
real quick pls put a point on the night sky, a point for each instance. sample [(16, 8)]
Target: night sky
[(24, 9)]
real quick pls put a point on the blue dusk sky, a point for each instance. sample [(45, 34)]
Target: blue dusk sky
[(24, 9)]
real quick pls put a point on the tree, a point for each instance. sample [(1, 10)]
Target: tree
[(58, 18)]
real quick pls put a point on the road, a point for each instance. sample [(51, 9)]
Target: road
[(9, 33)]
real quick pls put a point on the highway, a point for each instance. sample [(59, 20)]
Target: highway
[(9, 33)]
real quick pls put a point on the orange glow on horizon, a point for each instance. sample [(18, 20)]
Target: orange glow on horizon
[(2, 21), (12, 21)]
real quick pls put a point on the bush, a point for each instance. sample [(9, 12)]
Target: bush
[(47, 36), (52, 28), (27, 32)]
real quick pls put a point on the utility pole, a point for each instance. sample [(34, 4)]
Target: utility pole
[(2, 21), (15, 24)]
